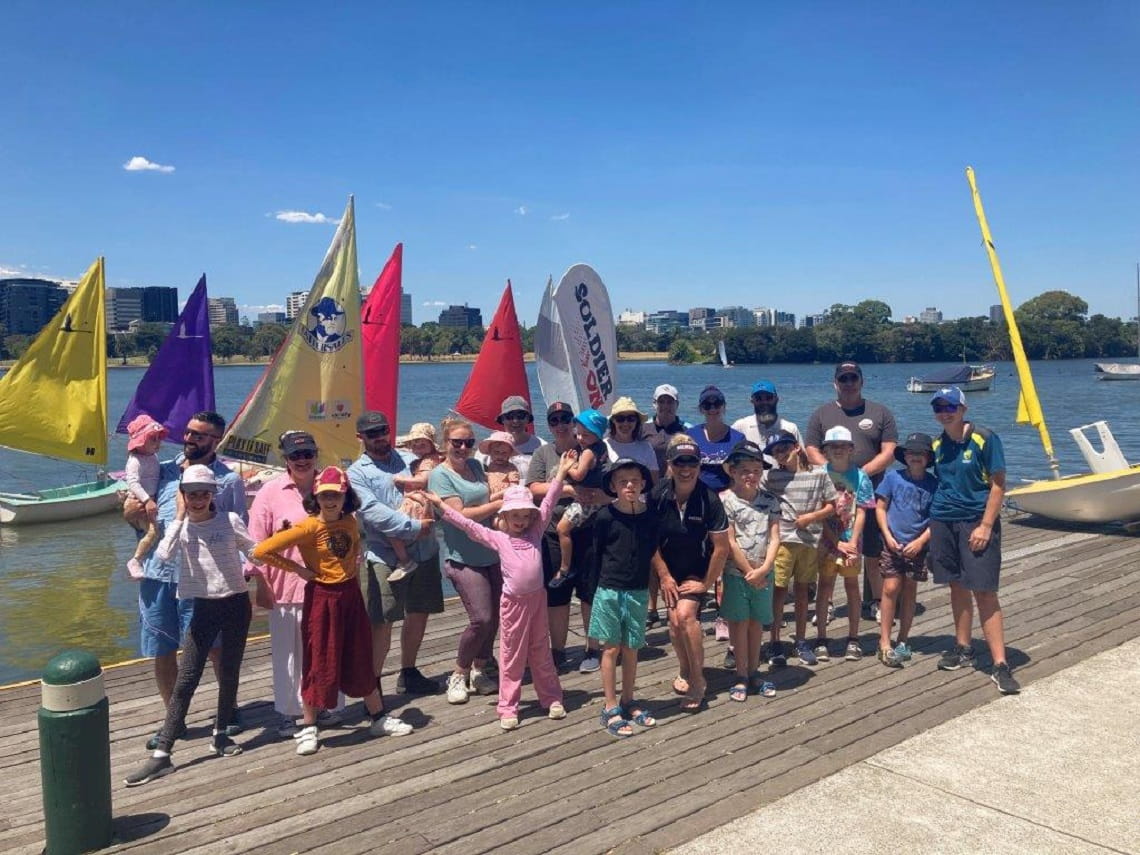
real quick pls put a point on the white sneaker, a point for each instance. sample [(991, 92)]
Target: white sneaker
[(456, 689), (481, 684), (590, 663), (307, 741), (509, 722), (556, 711), (388, 725), (287, 727), (401, 571)]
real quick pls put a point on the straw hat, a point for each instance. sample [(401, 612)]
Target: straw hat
[(625, 404)]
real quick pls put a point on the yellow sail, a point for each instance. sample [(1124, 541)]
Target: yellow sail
[(1028, 404), (315, 382), (53, 401)]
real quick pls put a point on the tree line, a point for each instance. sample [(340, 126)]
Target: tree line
[(1054, 325)]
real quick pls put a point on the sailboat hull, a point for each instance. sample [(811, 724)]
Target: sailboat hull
[(1091, 498), (61, 504), (1118, 371)]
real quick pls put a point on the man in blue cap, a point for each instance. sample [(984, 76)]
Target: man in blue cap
[(965, 532), (765, 422)]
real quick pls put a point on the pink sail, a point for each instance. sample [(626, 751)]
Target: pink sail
[(380, 321), (499, 372)]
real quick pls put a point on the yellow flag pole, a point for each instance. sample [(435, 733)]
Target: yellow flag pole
[(1028, 405)]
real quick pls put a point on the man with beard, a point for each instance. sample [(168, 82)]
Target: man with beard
[(766, 422), (163, 617), (420, 593)]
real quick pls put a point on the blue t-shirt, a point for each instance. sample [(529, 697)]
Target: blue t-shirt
[(458, 548), (713, 455), (909, 510), (963, 470), (856, 485)]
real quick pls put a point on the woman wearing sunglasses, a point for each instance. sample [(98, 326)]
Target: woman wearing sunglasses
[(472, 568), (694, 544), (714, 438), (625, 439)]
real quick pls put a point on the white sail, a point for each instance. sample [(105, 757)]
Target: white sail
[(551, 361), (587, 328), (722, 353)]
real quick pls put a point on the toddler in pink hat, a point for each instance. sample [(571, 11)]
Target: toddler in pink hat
[(140, 508)]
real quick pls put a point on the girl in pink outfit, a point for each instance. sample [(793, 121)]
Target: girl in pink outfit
[(140, 508), (524, 634)]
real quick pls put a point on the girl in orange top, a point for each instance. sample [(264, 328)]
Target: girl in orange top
[(335, 631)]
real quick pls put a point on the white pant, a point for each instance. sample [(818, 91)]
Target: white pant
[(288, 655)]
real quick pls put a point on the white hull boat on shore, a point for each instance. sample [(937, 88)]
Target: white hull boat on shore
[(60, 504)]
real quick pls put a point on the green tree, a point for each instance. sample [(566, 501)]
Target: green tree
[(227, 342), (266, 339), (1053, 306), (681, 352)]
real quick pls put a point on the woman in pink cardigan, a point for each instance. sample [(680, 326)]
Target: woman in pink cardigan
[(524, 638)]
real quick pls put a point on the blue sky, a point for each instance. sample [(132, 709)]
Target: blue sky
[(792, 155)]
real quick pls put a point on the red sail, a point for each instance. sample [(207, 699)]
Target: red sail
[(498, 373), (380, 325)]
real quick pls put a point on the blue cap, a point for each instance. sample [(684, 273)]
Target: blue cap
[(951, 395), (593, 421), (763, 386)]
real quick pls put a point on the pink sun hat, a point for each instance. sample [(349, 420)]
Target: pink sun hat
[(497, 436), (517, 498), (141, 428)]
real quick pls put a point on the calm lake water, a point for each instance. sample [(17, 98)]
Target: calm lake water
[(61, 585)]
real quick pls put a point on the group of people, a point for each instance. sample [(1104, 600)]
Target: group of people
[(627, 511)]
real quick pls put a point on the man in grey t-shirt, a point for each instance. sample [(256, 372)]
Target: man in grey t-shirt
[(875, 436)]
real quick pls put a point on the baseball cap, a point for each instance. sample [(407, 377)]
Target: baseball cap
[(849, 367), (711, 393), (744, 450), (682, 446), (512, 404), (559, 407), (780, 437), (331, 480), (763, 386), (296, 440), (666, 389), (951, 395), (370, 420), (199, 477), (836, 434)]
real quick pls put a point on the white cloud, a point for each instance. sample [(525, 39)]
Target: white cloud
[(472, 246), (138, 163), (565, 216), (13, 272), (303, 217), (521, 210), (383, 206), (436, 303)]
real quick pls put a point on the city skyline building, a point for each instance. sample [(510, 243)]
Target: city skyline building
[(27, 304), (406, 309), (461, 317), (222, 311)]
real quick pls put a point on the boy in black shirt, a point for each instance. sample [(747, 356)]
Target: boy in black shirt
[(625, 546)]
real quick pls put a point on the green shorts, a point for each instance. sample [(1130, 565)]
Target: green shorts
[(742, 601), (419, 593), (617, 618)]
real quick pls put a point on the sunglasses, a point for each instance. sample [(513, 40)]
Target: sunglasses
[(712, 405), (625, 418), (373, 433), (763, 396), (559, 419), (198, 436), (848, 378), (462, 443), (301, 455), (686, 461), (945, 408), (517, 415)]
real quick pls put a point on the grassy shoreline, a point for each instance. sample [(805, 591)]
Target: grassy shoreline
[(141, 362)]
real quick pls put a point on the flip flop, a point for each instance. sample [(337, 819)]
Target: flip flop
[(693, 705), (738, 692), (680, 685)]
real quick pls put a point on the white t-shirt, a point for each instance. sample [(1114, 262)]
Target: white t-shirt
[(211, 555), (639, 450), (753, 432)]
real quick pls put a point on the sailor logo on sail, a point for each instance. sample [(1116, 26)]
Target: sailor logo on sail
[(325, 327)]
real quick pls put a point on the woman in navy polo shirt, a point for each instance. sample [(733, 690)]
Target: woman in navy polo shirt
[(694, 545)]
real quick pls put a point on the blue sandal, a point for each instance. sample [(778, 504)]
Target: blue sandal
[(762, 687), (615, 723), (640, 716)]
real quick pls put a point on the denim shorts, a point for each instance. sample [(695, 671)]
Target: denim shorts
[(163, 618), (618, 617)]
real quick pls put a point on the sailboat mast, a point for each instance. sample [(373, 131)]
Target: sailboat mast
[(1029, 406), (1138, 310)]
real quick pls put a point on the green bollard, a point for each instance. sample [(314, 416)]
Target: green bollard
[(75, 755)]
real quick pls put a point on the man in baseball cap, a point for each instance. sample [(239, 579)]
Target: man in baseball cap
[(765, 421), (665, 423)]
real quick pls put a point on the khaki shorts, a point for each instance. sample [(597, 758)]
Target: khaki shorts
[(833, 565), (795, 562), (419, 593)]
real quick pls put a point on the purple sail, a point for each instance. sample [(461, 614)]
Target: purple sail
[(180, 380)]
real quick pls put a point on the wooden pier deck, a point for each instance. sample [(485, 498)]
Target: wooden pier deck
[(459, 784)]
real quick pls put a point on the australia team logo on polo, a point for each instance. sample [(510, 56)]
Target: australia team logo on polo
[(325, 327)]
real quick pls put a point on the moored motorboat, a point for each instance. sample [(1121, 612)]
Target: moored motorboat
[(968, 378), (1118, 370)]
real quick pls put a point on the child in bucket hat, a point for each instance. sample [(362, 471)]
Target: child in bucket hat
[(140, 508), (524, 630)]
